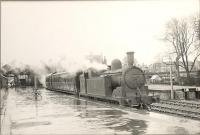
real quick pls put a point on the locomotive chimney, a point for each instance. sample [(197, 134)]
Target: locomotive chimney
[(130, 58)]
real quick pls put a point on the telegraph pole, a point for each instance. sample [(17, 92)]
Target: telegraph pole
[(171, 80), (0, 36), (170, 75)]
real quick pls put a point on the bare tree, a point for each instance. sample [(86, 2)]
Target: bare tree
[(181, 36)]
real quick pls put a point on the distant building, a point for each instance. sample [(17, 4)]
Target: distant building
[(22, 79), (161, 67), (165, 67)]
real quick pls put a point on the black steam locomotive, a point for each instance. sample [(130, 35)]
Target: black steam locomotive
[(125, 86)]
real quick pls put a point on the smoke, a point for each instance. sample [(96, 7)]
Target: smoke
[(70, 64)]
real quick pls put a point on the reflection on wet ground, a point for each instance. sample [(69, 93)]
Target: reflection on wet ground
[(58, 113)]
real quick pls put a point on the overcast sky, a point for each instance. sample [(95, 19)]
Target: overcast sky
[(51, 31)]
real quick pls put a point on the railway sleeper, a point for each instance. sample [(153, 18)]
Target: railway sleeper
[(176, 107), (181, 104), (178, 111), (193, 116), (180, 101)]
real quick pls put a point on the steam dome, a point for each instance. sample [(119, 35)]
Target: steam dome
[(116, 64)]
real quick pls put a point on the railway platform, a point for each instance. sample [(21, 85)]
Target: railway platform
[(180, 92), (168, 87)]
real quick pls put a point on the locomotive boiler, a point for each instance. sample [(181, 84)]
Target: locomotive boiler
[(125, 85)]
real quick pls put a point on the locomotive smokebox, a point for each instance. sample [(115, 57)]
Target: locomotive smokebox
[(130, 58)]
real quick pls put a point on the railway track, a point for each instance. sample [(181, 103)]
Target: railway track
[(183, 108)]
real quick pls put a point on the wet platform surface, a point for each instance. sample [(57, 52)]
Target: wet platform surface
[(58, 113)]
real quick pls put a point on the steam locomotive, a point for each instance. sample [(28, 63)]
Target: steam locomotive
[(123, 85)]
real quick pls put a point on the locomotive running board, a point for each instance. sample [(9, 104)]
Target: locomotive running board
[(100, 98)]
